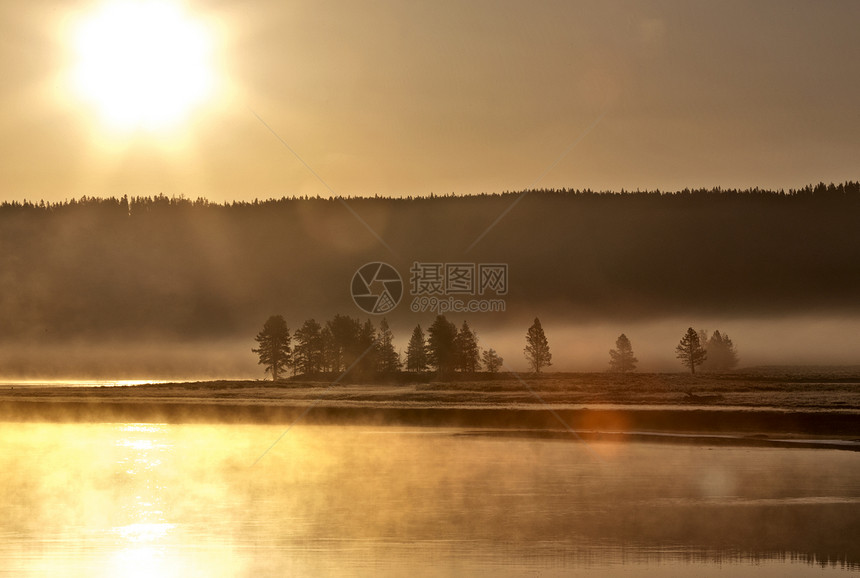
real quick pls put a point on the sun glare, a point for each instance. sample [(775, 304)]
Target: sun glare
[(143, 64)]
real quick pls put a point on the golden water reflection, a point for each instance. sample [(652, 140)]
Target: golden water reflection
[(186, 500), (143, 544)]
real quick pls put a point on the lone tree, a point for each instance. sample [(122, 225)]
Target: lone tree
[(537, 347), (621, 358), (274, 346), (722, 355), (416, 351), (690, 350), (491, 360)]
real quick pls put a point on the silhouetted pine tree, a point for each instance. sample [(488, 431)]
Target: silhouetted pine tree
[(330, 355), (274, 346), (345, 346), (416, 351), (491, 360), (537, 348), (722, 355), (690, 350), (621, 359), (442, 347), (308, 351), (467, 352), (368, 349), (388, 361)]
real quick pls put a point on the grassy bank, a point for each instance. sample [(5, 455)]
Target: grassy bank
[(781, 390), (807, 404)]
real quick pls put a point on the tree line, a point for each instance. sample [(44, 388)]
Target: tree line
[(165, 267), (696, 348), (346, 344), (714, 353), (849, 190), (342, 343)]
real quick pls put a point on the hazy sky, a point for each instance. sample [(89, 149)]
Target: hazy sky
[(395, 97)]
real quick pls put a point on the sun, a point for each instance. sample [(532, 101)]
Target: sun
[(143, 64)]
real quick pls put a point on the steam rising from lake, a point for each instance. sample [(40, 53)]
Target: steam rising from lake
[(178, 500), (160, 287), (801, 340)]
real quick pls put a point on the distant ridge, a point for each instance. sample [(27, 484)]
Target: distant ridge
[(847, 190), (171, 268)]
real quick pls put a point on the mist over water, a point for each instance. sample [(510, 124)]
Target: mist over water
[(159, 287), (179, 500), (795, 341), (202, 234), (151, 360)]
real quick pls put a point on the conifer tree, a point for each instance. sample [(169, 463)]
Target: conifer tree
[(537, 348), (621, 359), (274, 346), (690, 350)]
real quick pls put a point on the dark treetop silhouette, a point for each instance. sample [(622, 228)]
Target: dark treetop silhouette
[(690, 350), (537, 348), (274, 346), (621, 359), (468, 355), (442, 345), (722, 354), (416, 351), (161, 267), (492, 361)]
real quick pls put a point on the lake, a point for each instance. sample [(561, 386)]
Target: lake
[(243, 500)]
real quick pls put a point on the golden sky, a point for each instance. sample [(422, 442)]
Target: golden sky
[(403, 97)]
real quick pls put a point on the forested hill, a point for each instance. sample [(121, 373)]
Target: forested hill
[(147, 267)]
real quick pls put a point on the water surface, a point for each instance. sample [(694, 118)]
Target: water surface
[(240, 500)]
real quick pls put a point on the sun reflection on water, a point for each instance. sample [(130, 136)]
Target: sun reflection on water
[(142, 561), (105, 500), (144, 543)]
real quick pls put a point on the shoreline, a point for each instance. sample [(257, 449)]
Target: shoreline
[(661, 412), (772, 428)]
